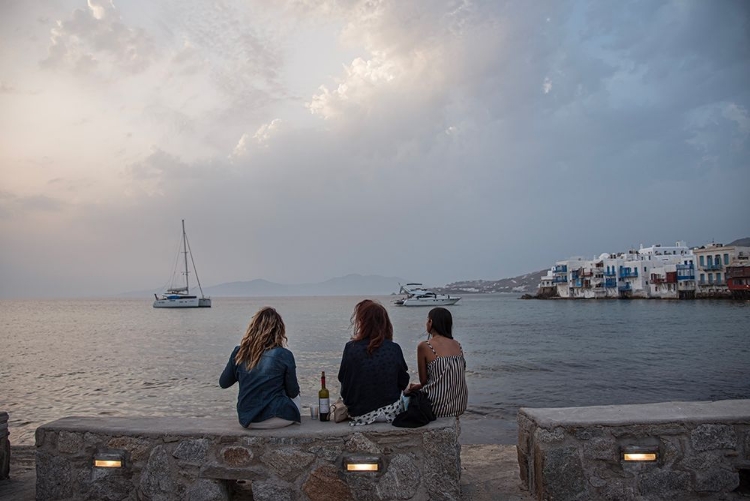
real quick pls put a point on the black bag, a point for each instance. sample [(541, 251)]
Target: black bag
[(419, 412)]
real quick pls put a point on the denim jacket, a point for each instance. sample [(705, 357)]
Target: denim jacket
[(267, 389)]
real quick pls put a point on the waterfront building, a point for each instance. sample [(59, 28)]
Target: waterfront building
[(712, 260), (656, 271), (738, 280)]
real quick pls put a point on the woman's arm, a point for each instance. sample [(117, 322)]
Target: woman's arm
[(291, 385), (228, 377), (422, 351), (403, 375)]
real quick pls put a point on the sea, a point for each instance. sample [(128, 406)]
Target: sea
[(121, 357)]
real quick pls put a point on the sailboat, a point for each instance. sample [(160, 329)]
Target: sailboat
[(180, 297)]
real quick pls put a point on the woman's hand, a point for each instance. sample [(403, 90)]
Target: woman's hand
[(412, 388)]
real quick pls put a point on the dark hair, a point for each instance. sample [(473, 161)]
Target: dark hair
[(370, 321), (442, 322)]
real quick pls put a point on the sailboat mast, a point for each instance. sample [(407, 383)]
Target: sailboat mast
[(185, 251)]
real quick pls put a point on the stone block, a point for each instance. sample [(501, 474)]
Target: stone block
[(287, 463), (717, 480), (442, 464), (272, 491), (601, 449), (157, 482), (105, 484), (324, 483), (401, 479), (544, 436), (562, 474), (219, 471), (192, 451), (139, 449), (236, 456), (359, 443), (713, 436), (54, 476), (69, 443), (671, 450), (328, 451), (664, 484), (207, 490)]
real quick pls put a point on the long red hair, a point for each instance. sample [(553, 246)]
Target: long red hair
[(370, 321)]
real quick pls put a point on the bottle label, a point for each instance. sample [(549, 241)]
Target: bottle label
[(325, 406)]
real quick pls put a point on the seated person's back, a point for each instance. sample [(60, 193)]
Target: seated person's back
[(373, 371)]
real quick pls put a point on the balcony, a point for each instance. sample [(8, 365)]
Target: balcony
[(561, 268), (628, 272), (610, 273), (657, 279), (685, 272), (625, 288), (559, 280), (610, 283), (713, 266), (576, 283)]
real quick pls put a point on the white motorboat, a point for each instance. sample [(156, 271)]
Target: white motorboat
[(417, 295), (179, 296)]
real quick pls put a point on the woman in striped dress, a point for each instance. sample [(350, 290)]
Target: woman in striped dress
[(442, 368)]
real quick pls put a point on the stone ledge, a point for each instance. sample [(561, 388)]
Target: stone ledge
[(617, 415), (222, 426), (216, 459)]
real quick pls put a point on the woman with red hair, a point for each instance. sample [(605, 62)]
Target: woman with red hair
[(373, 371)]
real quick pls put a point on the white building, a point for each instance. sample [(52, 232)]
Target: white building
[(656, 271)]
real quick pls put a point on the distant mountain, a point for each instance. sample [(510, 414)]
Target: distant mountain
[(350, 285), (741, 242), (527, 283)]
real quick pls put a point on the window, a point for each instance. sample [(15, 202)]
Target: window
[(702, 264), (718, 278), (709, 261), (726, 258), (717, 259), (703, 278), (710, 278)]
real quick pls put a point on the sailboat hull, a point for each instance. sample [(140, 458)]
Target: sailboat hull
[(192, 302)]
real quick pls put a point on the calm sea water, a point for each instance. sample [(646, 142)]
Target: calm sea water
[(119, 357)]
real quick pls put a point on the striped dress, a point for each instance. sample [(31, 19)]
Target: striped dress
[(446, 384)]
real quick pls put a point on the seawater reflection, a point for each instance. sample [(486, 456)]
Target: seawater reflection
[(121, 357)]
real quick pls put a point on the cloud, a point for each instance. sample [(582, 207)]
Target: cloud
[(261, 138), (15, 206), (96, 37)]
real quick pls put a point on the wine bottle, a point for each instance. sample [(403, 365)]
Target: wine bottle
[(323, 401)]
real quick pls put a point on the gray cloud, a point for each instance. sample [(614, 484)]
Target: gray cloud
[(467, 140)]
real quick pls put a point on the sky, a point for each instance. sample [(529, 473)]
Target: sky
[(301, 140)]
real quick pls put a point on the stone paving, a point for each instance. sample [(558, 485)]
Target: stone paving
[(488, 473)]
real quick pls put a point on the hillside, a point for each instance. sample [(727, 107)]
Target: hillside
[(741, 242), (527, 283)]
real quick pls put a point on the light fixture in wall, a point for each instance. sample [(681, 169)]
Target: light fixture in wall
[(640, 453), (109, 459), (362, 464)]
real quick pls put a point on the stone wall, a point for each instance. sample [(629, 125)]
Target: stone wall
[(215, 459), (4, 447), (576, 453)]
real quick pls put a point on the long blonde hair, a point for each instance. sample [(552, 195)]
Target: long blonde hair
[(266, 331)]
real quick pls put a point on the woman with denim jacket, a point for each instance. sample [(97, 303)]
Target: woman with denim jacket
[(269, 393)]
